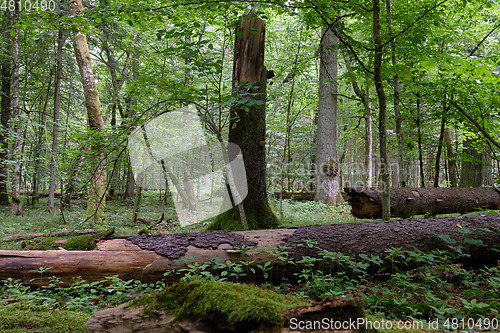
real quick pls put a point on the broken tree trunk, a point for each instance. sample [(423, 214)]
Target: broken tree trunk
[(406, 202), (149, 258), (299, 196)]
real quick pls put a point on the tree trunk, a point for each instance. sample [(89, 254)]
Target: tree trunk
[(37, 149), (327, 165), (450, 156), (419, 142), (406, 202), (15, 205), (148, 258), (402, 179), (367, 103), (137, 203), (5, 110), (247, 127), (472, 165), (439, 148), (55, 126), (75, 173), (97, 187), (382, 118), (299, 196), (368, 141), (288, 129), (130, 99)]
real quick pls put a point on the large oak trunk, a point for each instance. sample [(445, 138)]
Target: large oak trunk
[(406, 202), (147, 258)]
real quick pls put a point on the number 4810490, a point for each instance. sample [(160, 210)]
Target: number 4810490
[(28, 5)]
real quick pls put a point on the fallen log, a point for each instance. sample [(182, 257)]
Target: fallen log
[(36, 194), (148, 258), (299, 196), (406, 202), (50, 234)]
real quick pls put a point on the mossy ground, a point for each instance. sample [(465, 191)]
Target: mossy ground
[(259, 215), (234, 301), (28, 318)]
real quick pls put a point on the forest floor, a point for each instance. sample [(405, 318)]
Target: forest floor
[(438, 290)]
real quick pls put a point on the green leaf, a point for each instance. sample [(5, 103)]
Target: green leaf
[(447, 239), (476, 242)]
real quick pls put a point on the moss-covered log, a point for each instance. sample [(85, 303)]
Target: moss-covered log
[(406, 202), (148, 258)]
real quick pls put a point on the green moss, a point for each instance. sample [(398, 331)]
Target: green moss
[(259, 216), (86, 242), (29, 318), (233, 301), (40, 243)]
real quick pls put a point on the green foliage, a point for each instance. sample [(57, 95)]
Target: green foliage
[(81, 296), (298, 213)]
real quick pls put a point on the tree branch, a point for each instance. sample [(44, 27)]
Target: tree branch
[(474, 121), (484, 38), (413, 23)]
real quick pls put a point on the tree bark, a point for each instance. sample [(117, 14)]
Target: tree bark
[(6, 73), (39, 146), (55, 126), (97, 187), (75, 173), (402, 178), (406, 202), (419, 142), (439, 148), (367, 103), (299, 196), (382, 118), (247, 127), (327, 164), (148, 258), (131, 105), (450, 156), (472, 165), (15, 205), (368, 140)]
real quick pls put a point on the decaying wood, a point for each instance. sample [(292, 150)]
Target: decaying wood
[(50, 234), (406, 202), (148, 258), (124, 319), (299, 196)]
